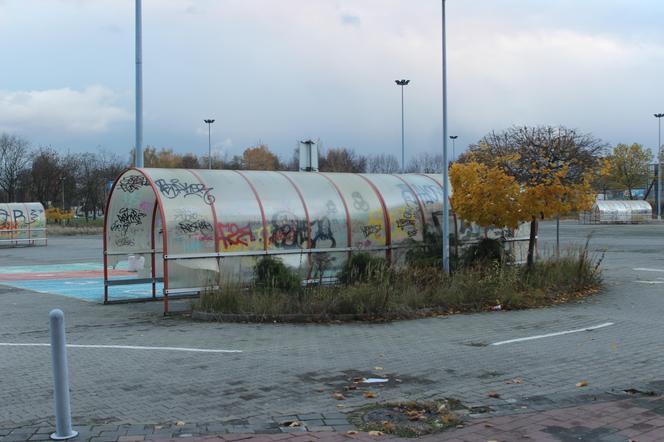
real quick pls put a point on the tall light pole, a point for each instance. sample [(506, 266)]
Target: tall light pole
[(446, 190), (62, 181), (402, 83), (658, 200), (138, 161), (209, 123), (453, 137)]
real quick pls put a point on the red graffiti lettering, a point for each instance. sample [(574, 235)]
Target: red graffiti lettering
[(232, 234), (9, 229)]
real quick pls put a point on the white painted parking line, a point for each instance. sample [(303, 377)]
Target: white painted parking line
[(549, 335), (650, 282), (645, 269), (122, 347)]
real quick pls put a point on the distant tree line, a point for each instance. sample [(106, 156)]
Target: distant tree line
[(43, 174), (81, 180), (55, 179), (260, 157)]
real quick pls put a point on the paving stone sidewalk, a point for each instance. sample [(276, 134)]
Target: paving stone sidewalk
[(629, 420), (637, 419)]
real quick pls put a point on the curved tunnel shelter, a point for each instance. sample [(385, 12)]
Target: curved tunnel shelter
[(618, 212), (22, 224), (197, 229)]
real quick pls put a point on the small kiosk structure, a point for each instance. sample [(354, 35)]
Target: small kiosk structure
[(618, 212), (22, 224), (196, 230)]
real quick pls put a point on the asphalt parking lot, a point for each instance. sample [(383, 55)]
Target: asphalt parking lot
[(278, 370)]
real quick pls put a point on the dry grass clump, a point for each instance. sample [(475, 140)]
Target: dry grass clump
[(369, 289)]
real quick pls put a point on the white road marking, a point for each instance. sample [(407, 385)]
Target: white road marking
[(548, 335), (645, 269), (121, 347), (650, 282)]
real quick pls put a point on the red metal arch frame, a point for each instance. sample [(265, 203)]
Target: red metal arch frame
[(419, 203), (306, 214), (386, 217), (212, 208), (349, 229), (158, 202), (448, 200), (260, 206)]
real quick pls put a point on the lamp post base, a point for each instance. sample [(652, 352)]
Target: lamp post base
[(73, 434)]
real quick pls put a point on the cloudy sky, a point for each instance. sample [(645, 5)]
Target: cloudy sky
[(279, 71)]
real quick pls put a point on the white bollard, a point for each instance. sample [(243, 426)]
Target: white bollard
[(63, 428)]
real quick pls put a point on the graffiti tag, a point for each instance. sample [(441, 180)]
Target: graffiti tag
[(287, 230), (359, 202), (407, 222), (124, 241), (371, 229), (429, 194), (323, 228), (232, 234), (189, 222), (4, 217), (133, 183), (201, 226), (331, 207), (174, 188), (408, 226), (34, 215), (127, 217)]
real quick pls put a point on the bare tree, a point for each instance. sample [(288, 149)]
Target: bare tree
[(14, 158), (545, 149), (383, 163), (342, 160), (94, 171), (44, 176), (426, 163), (190, 161)]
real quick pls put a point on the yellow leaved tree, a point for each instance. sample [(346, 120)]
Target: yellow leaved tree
[(485, 195), (553, 169), (260, 158)]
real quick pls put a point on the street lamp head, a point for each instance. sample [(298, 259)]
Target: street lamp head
[(659, 115), (208, 121), (454, 137), (308, 142), (402, 82)]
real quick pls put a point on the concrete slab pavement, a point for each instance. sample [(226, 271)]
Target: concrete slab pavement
[(288, 370)]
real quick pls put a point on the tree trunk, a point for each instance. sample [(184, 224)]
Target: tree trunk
[(532, 242), (456, 237)]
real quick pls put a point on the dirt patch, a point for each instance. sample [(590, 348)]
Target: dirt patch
[(407, 419)]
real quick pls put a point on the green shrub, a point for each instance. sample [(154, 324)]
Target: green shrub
[(271, 273), (485, 252), (363, 267), (374, 291), (427, 253)]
